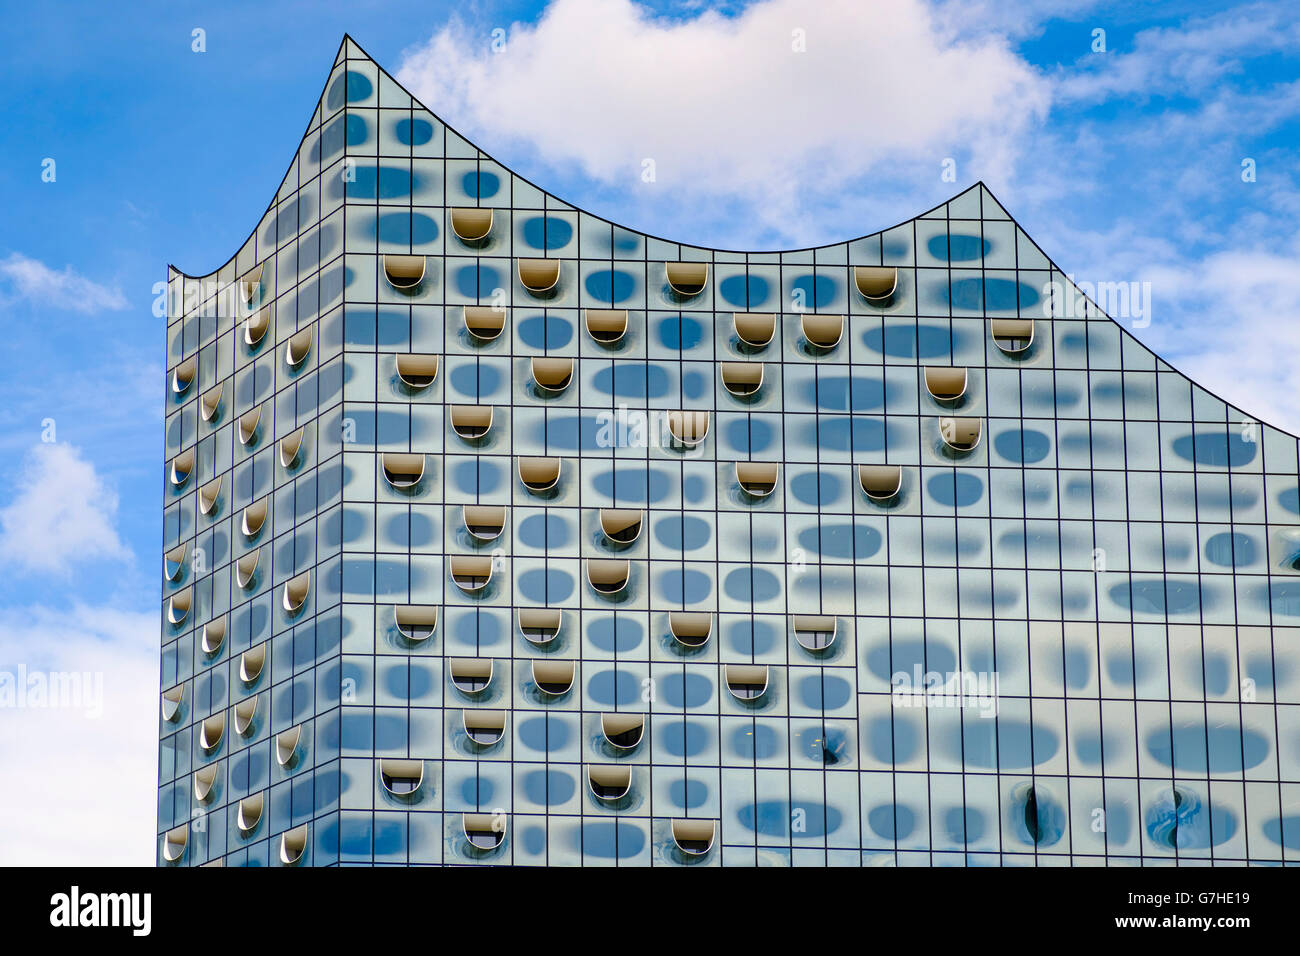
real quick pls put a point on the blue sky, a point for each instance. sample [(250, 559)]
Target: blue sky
[(1125, 165)]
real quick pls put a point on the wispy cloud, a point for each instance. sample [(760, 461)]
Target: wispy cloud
[(1188, 60), (30, 280), (79, 706), (62, 514)]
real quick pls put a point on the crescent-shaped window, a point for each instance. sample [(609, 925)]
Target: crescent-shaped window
[(183, 376), (610, 782), (746, 682), (621, 526), (688, 428), (295, 592), (553, 678), (246, 568), (471, 224), (623, 731), (298, 346), (416, 622), (250, 283), (286, 745), (471, 573), (880, 482), (758, 479), (552, 374), (249, 813), (174, 843), (214, 636), (484, 831), (694, 837), (539, 275), (540, 625), (484, 322), (401, 778), (178, 605), (171, 702), (404, 272), (248, 423), (204, 780), (471, 675), (484, 522), (210, 402), (690, 628), (211, 731), (251, 663), (876, 284), (253, 519), (742, 379), (293, 844), (815, 632), (822, 331), (607, 326), (470, 422), (484, 727), (1012, 335), (182, 467), (174, 561), (687, 278), (256, 326), (417, 370), (291, 447), (245, 711), (608, 576), (402, 470), (945, 384), (755, 329), (539, 474), (960, 434)]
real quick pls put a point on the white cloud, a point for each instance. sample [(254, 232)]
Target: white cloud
[(79, 788), (1250, 359), (33, 281), (731, 115), (62, 513)]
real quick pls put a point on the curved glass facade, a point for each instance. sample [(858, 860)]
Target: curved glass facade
[(499, 533)]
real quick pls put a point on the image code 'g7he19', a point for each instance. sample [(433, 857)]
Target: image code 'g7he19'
[(497, 533)]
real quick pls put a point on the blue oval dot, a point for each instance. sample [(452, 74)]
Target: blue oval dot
[(414, 132)]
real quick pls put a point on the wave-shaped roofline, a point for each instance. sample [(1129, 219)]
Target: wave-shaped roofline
[(174, 271), (347, 38)]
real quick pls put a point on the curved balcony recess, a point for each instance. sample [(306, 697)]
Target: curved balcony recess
[(404, 272), (471, 224), (755, 329), (687, 278), (416, 622), (607, 326), (758, 479), (539, 474), (623, 731), (417, 370), (876, 284), (961, 434)]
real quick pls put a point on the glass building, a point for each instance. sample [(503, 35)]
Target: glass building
[(497, 533)]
